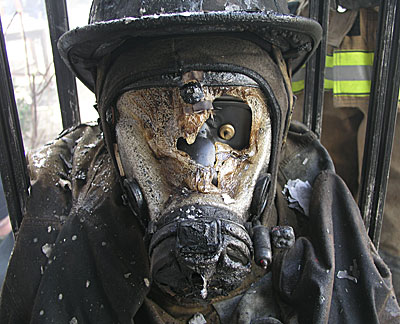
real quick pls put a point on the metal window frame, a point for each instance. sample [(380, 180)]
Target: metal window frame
[(14, 173), (382, 113), (57, 16)]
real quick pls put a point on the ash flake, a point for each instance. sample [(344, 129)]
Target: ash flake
[(343, 274), (73, 321), (321, 300), (90, 146), (46, 249), (39, 160), (227, 199), (197, 319), (232, 7)]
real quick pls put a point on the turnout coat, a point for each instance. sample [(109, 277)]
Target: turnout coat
[(81, 257)]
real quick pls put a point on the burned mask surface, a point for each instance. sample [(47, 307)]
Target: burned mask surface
[(197, 163), (205, 151)]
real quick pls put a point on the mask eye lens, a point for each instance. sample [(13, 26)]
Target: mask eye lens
[(231, 122), (226, 132)]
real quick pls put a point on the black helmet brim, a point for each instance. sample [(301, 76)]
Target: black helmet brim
[(82, 48)]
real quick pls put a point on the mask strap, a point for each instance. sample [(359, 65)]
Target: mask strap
[(118, 160), (286, 74)]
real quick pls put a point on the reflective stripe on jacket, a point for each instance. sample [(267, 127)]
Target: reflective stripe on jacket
[(349, 62), (347, 73)]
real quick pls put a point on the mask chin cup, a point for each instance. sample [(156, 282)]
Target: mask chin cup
[(260, 194), (135, 200)]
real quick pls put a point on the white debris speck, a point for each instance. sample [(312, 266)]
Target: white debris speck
[(146, 282), (35, 240), (127, 275), (41, 270), (49, 229), (103, 243), (46, 249), (87, 283), (298, 194), (232, 7), (305, 161), (74, 237), (227, 199), (60, 296), (73, 321), (184, 14), (197, 319), (65, 184), (41, 313), (39, 160), (204, 291), (342, 274)]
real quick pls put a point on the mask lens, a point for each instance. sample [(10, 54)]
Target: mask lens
[(231, 122)]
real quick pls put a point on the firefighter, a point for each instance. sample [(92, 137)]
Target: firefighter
[(351, 44), (194, 200)]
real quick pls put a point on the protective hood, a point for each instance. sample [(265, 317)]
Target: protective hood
[(112, 23), (163, 63), (152, 114)]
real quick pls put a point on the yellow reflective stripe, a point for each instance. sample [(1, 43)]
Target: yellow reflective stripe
[(344, 58), (298, 86), (328, 84), (352, 88), (344, 87), (329, 61)]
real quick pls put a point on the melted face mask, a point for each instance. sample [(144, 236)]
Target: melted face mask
[(196, 153)]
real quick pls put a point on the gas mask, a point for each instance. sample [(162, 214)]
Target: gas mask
[(194, 148)]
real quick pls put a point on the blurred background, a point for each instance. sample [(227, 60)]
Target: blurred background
[(30, 56)]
